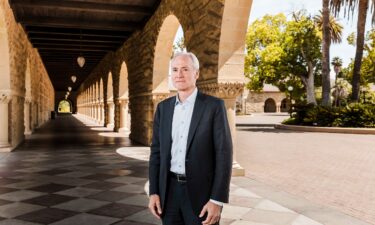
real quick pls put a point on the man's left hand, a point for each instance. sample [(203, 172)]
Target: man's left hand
[(213, 213)]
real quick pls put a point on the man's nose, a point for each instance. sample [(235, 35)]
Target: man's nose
[(179, 73)]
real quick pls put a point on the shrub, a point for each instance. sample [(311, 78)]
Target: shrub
[(353, 115)]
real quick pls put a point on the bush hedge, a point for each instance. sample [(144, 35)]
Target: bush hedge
[(352, 115)]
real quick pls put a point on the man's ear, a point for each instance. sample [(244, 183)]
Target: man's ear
[(197, 75)]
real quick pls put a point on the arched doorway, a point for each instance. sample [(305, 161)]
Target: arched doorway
[(285, 105), (164, 50), (125, 117), (110, 103), (27, 103), (65, 106), (270, 106), (101, 102)]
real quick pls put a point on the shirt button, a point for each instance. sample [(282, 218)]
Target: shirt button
[(181, 136)]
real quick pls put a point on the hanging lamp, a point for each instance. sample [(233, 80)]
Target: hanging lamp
[(73, 78), (80, 60)]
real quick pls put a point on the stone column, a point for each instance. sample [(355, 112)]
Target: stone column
[(124, 115), (97, 115), (111, 113), (5, 145), (228, 92), (101, 106), (116, 115), (27, 121)]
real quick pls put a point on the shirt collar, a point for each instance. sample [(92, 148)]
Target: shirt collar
[(190, 99)]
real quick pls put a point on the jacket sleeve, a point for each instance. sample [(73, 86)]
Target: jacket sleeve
[(154, 163), (223, 155)]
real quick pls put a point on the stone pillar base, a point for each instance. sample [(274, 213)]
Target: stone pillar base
[(6, 148), (237, 170)]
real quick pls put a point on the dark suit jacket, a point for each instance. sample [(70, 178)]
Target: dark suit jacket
[(208, 163)]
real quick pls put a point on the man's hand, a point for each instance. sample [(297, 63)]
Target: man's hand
[(154, 205), (213, 213)]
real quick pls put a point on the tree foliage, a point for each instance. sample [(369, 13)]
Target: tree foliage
[(283, 53)]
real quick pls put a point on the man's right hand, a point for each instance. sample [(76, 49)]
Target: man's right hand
[(154, 205)]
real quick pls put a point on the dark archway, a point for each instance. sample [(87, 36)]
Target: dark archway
[(285, 105), (270, 106)]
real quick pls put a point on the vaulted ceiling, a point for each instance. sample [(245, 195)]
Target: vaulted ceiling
[(62, 30)]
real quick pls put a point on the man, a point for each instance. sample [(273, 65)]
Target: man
[(191, 152)]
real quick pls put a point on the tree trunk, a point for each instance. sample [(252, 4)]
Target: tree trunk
[(326, 42), (309, 84), (362, 14)]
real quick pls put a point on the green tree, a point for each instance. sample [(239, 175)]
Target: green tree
[(362, 7), (368, 60), (331, 32), (264, 52), (179, 45), (283, 53)]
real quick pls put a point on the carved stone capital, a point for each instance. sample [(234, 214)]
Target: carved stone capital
[(5, 97), (158, 97), (222, 90), (124, 101)]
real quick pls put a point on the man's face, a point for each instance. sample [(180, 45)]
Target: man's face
[(184, 76)]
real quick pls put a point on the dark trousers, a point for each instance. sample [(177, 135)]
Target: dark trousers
[(178, 209)]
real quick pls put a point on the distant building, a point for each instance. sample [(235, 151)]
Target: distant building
[(269, 100)]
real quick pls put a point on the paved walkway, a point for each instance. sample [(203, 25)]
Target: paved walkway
[(73, 172), (334, 170)]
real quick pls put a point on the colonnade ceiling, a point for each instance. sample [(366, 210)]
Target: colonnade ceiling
[(65, 29)]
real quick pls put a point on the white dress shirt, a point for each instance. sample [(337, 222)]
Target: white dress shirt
[(183, 112)]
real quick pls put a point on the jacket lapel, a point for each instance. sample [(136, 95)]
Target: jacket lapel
[(198, 110), (169, 119)]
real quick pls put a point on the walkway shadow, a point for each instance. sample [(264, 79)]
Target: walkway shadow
[(266, 130), (68, 173)]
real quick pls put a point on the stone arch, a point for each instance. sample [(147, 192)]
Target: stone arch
[(110, 101), (232, 41), (110, 87), (163, 53), (101, 102), (124, 98), (284, 105), (101, 90), (65, 106), (27, 103), (270, 106)]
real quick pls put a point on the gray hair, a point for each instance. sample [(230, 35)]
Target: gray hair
[(191, 55)]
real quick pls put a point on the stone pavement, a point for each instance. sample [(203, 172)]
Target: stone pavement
[(73, 172), (334, 170)]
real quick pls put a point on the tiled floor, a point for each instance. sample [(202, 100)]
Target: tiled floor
[(67, 173), (72, 172)]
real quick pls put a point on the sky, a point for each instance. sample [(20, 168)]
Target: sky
[(343, 50)]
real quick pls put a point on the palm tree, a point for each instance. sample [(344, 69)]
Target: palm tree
[(351, 6), (332, 32), (337, 64)]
